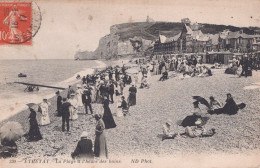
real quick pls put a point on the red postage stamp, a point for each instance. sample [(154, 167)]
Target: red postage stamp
[(15, 23)]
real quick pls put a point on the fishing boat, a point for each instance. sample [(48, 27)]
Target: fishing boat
[(21, 75)]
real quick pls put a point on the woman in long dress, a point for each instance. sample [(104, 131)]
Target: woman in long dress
[(98, 94), (73, 107), (107, 116), (93, 94), (79, 92), (45, 119), (34, 132), (100, 145)]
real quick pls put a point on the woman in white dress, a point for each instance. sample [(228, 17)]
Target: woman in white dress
[(79, 105), (93, 93), (73, 107), (45, 119)]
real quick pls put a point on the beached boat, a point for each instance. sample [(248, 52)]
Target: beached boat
[(21, 75)]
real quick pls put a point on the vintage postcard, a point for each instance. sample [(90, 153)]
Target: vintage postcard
[(134, 83)]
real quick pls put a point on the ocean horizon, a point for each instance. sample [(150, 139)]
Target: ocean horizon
[(52, 72)]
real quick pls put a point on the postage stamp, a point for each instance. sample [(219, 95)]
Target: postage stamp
[(15, 23)]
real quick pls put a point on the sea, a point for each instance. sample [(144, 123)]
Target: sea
[(58, 73)]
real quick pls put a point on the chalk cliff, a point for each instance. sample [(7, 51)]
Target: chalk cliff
[(138, 38)]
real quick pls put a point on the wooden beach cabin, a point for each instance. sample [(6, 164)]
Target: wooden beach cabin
[(220, 57)]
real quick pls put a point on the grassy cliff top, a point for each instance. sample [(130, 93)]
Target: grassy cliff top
[(150, 30)]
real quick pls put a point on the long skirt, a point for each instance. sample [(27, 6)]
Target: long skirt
[(34, 133), (108, 119), (132, 99), (93, 96), (100, 146), (73, 113), (45, 119), (99, 98)]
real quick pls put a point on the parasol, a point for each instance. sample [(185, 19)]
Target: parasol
[(33, 106), (11, 131)]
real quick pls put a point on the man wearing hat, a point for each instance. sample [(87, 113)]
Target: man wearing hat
[(86, 99), (245, 64), (65, 114), (111, 90), (59, 103), (84, 148), (132, 95)]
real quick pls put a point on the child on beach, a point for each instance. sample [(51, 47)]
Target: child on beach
[(124, 106)]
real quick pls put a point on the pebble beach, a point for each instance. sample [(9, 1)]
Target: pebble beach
[(140, 132)]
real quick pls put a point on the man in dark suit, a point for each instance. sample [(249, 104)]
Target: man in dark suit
[(111, 91), (59, 103), (244, 63), (86, 99), (84, 148), (132, 95), (65, 113)]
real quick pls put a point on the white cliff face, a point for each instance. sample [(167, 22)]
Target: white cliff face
[(108, 46), (111, 46)]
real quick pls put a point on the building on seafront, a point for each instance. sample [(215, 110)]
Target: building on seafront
[(192, 41)]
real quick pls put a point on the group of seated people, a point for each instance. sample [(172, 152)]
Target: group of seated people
[(194, 124), (200, 71)]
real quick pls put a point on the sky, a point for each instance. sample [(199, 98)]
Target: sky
[(69, 26)]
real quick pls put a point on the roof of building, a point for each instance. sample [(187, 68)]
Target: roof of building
[(214, 38), (174, 38), (237, 34)]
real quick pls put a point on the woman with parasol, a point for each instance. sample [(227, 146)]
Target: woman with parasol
[(34, 131), (9, 133)]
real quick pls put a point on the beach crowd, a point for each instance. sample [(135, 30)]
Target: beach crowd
[(109, 85)]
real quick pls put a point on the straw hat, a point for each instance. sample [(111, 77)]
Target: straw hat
[(84, 134)]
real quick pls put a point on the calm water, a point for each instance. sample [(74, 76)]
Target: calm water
[(59, 73)]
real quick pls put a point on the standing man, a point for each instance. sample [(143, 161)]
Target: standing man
[(59, 103), (111, 91), (132, 96), (65, 114), (124, 106), (117, 74), (86, 99), (244, 63)]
